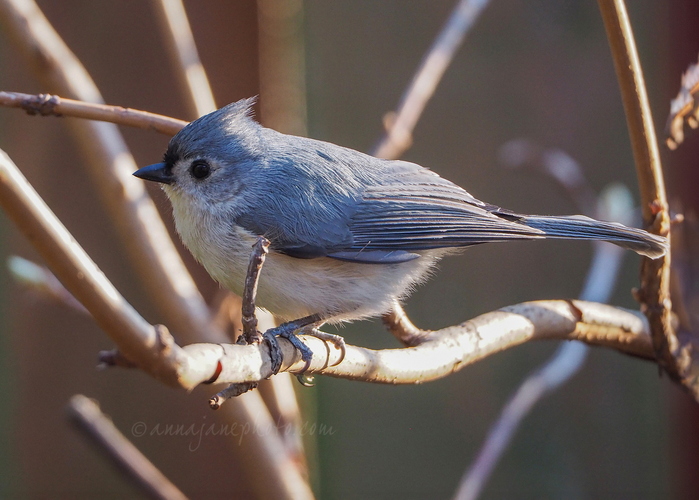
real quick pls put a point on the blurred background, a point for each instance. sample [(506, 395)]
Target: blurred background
[(539, 70)]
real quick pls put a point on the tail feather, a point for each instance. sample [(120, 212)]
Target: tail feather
[(581, 227)]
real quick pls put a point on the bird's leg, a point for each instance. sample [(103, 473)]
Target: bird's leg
[(250, 335), (257, 258), (286, 331)]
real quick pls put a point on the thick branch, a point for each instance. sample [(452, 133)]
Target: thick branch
[(155, 352)]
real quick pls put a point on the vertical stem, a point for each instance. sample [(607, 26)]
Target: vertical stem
[(655, 274)]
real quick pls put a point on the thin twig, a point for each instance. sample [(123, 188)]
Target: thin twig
[(85, 413), (52, 105), (400, 326), (654, 293), (401, 124), (184, 51)]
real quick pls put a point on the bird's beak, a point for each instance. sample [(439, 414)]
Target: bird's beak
[(158, 172)]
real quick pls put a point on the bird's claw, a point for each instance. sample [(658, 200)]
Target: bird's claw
[(275, 352)]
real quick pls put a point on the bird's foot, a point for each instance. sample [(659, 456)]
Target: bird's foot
[(287, 331)]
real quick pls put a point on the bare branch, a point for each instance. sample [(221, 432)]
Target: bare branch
[(444, 351), (84, 279), (52, 105), (183, 49), (654, 293), (400, 124), (90, 420)]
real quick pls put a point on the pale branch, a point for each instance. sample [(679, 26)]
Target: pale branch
[(84, 280), (182, 48), (444, 351), (400, 326), (99, 428), (400, 125), (53, 105), (654, 293)]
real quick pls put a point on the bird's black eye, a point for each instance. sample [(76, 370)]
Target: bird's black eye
[(200, 169)]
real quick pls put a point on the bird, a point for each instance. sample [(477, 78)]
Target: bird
[(350, 234)]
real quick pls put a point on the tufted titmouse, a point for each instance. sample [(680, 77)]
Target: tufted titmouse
[(349, 233)]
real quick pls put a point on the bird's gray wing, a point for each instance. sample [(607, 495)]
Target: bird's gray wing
[(414, 209), (368, 210)]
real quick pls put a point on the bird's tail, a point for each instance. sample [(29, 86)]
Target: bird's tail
[(583, 228)]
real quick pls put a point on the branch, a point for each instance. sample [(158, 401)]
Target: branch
[(90, 420), (654, 293), (173, 17), (43, 281), (400, 124), (52, 105), (84, 280), (444, 351)]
